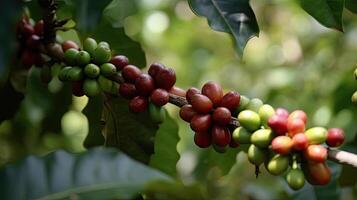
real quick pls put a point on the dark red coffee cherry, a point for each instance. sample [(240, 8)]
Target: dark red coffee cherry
[(138, 104), (166, 78), (69, 44), (155, 68), (213, 91), (159, 97), (33, 42), (201, 123), (201, 103), (144, 84), (177, 91), (202, 140), (131, 73), (39, 28), (187, 112), (119, 61), (335, 137), (231, 100), (77, 88), (190, 92), (221, 116), (220, 135), (27, 30), (29, 58), (127, 90), (278, 123)]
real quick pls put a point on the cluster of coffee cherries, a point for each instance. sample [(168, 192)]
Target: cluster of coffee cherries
[(209, 113), (90, 69), (354, 96), (279, 140)]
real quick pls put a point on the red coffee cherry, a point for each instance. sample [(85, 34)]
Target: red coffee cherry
[(155, 68), (131, 73), (278, 124), (317, 173), (166, 78), (159, 97), (201, 123), (316, 153), (282, 112), (213, 91), (29, 58), (299, 114), (39, 28), (69, 44), (201, 103), (27, 30), (33, 42), (335, 137), (202, 140), (177, 91), (282, 145), (127, 90), (77, 88), (300, 142), (120, 61), (144, 84), (221, 116), (220, 135), (230, 100), (138, 104), (295, 125), (190, 92), (187, 112)]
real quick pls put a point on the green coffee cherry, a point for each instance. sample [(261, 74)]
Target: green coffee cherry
[(114, 88), (265, 112), (249, 120), (83, 58), (104, 44), (316, 135), (241, 135), (91, 70), (262, 138), (105, 84), (243, 103), (63, 74), (91, 87), (354, 98), (75, 74), (278, 164), (254, 104), (101, 55), (108, 69), (90, 45), (256, 155), (70, 56), (295, 178), (157, 114)]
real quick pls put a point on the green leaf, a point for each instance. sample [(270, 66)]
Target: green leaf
[(165, 154), (118, 10), (327, 12), (96, 174), (351, 5), (93, 111), (235, 17)]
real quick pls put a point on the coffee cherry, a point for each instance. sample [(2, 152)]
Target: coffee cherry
[(27, 30), (75, 74), (295, 179), (159, 97), (262, 138), (190, 92), (101, 55), (316, 135), (70, 56), (91, 70), (230, 100), (106, 85), (298, 114), (335, 137), (28, 58), (220, 135), (90, 45), (278, 164), (282, 145), (201, 103), (131, 73), (187, 112), (104, 44), (91, 88), (55, 50), (213, 91), (254, 104), (354, 98), (138, 104), (165, 78), (157, 114), (108, 69), (233, 144), (316, 153), (39, 28), (278, 124), (69, 44), (243, 103), (295, 125), (241, 135), (201, 123), (282, 112), (249, 120), (83, 58), (77, 88), (120, 61), (33, 42), (300, 142), (144, 84), (265, 112), (155, 68), (221, 116), (63, 74), (256, 155), (355, 74), (177, 91), (127, 90), (317, 173), (203, 140)]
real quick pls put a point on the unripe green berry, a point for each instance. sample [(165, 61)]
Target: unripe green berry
[(105, 84), (108, 69), (243, 103), (249, 120), (254, 104), (91, 87), (63, 74), (262, 137), (256, 155), (241, 135), (90, 45), (101, 55), (83, 58), (91, 70), (265, 112), (75, 74), (70, 56), (104, 44)]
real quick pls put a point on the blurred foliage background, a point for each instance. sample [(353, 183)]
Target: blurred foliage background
[(295, 63)]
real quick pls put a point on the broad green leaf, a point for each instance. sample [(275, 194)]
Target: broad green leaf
[(327, 12), (96, 174), (351, 5), (235, 17), (118, 10), (165, 154)]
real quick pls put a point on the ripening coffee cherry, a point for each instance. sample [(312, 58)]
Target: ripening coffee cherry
[(127, 90), (278, 124), (282, 145), (265, 112), (295, 125), (69, 44), (144, 84), (190, 92), (213, 91), (316, 153), (202, 140), (91, 88), (295, 179), (254, 104), (91, 70), (230, 100), (282, 112), (243, 103), (241, 135), (75, 74), (335, 137), (82, 58), (317, 173), (77, 88), (221, 116), (177, 91), (166, 78), (105, 84), (299, 114), (108, 69), (159, 97), (300, 142), (220, 135), (138, 104), (278, 164), (201, 123), (262, 138), (249, 120), (120, 61), (39, 28), (155, 68), (157, 114), (201, 103), (90, 45), (33, 42), (256, 155), (187, 112), (131, 73), (55, 50), (70, 56), (101, 55), (316, 135)]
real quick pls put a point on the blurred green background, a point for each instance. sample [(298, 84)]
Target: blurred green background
[(295, 63)]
